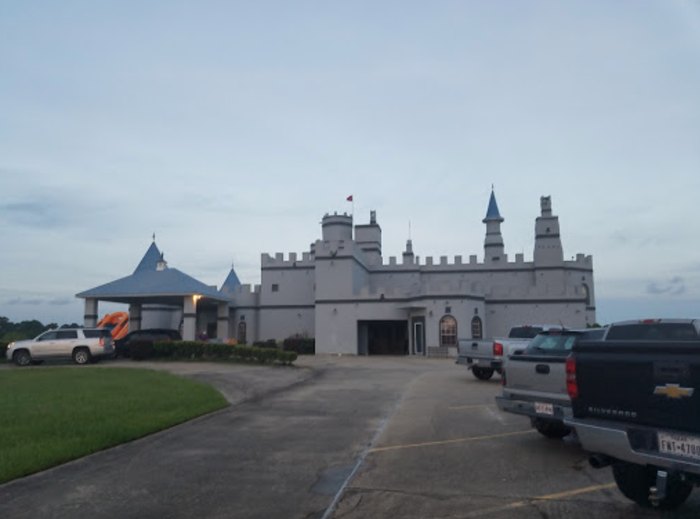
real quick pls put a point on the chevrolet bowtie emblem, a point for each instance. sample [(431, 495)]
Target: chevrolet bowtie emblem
[(674, 391)]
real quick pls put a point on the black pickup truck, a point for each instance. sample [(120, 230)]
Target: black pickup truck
[(636, 407)]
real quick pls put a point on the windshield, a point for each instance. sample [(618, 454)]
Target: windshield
[(551, 344)]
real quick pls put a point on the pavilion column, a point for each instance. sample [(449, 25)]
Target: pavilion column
[(189, 318), (222, 322), (90, 317), (134, 317)]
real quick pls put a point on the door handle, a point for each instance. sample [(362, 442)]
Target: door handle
[(542, 368)]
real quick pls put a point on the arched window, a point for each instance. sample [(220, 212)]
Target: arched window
[(448, 331), (477, 329), (586, 294), (241, 332)]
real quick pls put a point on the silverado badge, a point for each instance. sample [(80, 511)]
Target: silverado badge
[(674, 391)]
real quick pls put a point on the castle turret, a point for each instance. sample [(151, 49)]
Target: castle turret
[(548, 249), (493, 243), (336, 227), (408, 257), (369, 239)]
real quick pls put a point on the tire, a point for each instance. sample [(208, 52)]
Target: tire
[(634, 481), (482, 373), (81, 356), (22, 358), (551, 429)]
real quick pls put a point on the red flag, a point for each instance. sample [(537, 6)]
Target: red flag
[(349, 199)]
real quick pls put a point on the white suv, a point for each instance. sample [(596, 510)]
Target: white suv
[(80, 344)]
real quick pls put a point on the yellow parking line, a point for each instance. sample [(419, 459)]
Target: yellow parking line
[(548, 497), (447, 442)]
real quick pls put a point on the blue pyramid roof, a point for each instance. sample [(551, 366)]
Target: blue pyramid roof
[(231, 282), (150, 259), (492, 212), (150, 284)]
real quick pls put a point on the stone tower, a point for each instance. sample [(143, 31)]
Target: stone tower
[(493, 243), (548, 249)]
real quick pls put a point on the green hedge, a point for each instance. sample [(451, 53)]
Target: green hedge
[(3, 351), (194, 350), (300, 345)]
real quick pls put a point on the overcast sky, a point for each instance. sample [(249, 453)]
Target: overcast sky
[(229, 128)]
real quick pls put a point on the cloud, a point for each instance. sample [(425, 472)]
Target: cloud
[(26, 301), (674, 286), (42, 214), (61, 301)]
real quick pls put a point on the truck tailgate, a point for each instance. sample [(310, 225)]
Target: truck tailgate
[(640, 383), (537, 376)]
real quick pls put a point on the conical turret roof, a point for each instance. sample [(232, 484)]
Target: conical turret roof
[(492, 212)]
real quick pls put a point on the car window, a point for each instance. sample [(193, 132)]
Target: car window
[(652, 332), (48, 336), (96, 333), (551, 344), (524, 332), (593, 335), (67, 334)]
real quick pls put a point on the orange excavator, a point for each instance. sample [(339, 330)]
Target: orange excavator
[(117, 323)]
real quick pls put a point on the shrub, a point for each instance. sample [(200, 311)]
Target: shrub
[(300, 345), (195, 350), (270, 343), (3, 350)]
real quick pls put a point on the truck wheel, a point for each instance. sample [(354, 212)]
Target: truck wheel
[(22, 358), (634, 481), (81, 356), (482, 373), (550, 428)]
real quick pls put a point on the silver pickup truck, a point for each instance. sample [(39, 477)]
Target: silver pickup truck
[(534, 383), (486, 356)]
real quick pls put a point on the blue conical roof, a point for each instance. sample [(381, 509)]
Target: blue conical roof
[(150, 259), (231, 282), (492, 212)]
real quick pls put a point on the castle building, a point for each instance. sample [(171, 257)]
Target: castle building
[(343, 293)]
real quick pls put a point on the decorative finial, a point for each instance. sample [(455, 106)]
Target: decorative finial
[(154, 237)]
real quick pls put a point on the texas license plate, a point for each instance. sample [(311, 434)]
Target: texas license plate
[(679, 445), (542, 408)]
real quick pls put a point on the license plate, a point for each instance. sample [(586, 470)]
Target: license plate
[(679, 445), (542, 408)]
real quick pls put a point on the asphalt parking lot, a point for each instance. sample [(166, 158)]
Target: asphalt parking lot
[(336, 437)]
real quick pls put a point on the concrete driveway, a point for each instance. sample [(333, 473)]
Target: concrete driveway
[(350, 437)]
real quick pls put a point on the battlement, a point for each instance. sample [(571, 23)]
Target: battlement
[(246, 289), (293, 260)]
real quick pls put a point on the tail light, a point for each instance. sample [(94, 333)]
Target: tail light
[(102, 342), (503, 377), (571, 383), (497, 349)]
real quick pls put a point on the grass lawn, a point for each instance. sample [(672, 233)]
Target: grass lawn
[(52, 415)]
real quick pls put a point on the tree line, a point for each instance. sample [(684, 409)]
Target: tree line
[(10, 331)]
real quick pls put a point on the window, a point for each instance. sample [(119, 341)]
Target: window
[(241, 332), (477, 329), (67, 334), (448, 331), (275, 287), (49, 336)]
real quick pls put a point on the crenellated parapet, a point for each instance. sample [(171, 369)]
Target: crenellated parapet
[(292, 260), (246, 296)]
